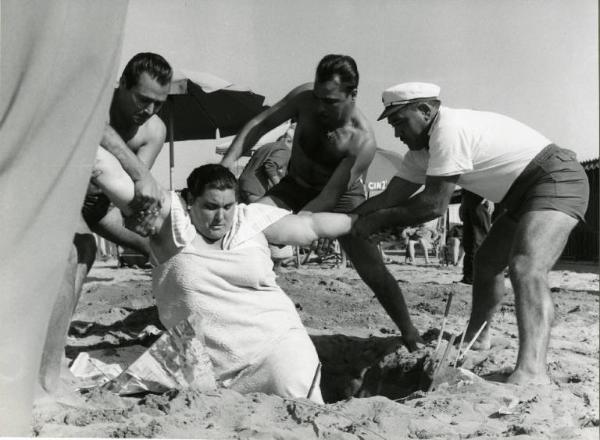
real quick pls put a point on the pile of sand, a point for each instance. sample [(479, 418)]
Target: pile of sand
[(375, 388)]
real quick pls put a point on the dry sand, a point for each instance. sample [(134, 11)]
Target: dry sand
[(373, 385)]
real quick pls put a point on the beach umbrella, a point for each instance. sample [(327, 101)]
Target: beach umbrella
[(203, 106)]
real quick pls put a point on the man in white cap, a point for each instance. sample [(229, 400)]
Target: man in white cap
[(542, 187)]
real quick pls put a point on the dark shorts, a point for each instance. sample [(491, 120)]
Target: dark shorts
[(553, 181), (95, 207), (295, 196)]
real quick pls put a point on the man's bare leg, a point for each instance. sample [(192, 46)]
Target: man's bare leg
[(80, 262), (455, 250), (539, 240), (488, 279), (425, 247), (410, 251), (367, 261)]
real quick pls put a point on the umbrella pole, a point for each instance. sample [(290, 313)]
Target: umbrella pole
[(171, 151)]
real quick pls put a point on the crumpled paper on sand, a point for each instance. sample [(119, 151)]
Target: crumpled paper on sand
[(92, 372), (176, 360)]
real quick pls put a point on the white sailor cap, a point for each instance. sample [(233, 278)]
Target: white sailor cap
[(406, 93)]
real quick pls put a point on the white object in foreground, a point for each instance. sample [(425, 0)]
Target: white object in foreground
[(176, 360)]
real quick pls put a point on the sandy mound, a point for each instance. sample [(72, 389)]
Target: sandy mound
[(374, 388)]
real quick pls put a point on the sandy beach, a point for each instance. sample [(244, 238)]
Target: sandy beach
[(372, 385)]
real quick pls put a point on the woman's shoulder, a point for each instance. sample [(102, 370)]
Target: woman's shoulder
[(251, 220), (260, 213)]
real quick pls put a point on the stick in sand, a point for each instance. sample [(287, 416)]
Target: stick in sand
[(474, 338), (462, 339), (439, 341), (439, 366), (314, 381)]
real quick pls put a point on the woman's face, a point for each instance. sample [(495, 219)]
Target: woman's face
[(212, 213)]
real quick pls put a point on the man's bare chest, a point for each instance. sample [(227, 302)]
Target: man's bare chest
[(320, 145)]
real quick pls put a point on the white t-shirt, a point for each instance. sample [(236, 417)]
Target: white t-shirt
[(487, 149)]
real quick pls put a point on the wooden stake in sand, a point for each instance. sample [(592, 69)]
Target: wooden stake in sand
[(446, 312), (462, 339), (474, 338), (439, 366), (314, 381)]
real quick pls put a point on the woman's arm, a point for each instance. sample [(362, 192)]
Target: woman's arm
[(305, 228), (113, 180)]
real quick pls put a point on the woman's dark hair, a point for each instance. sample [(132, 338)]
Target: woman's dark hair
[(210, 176), (342, 65), (151, 63)]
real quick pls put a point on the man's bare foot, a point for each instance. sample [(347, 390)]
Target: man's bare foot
[(520, 377), (483, 342), (63, 391)]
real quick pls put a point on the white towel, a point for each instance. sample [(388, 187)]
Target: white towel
[(234, 290)]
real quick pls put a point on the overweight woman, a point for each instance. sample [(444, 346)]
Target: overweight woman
[(211, 258)]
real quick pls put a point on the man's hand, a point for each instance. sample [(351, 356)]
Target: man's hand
[(489, 206), (148, 195), (412, 339), (143, 222), (362, 228), (322, 246), (146, 205), (365, 228)]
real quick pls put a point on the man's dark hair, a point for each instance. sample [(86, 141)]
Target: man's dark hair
[(342, 65), (151, 63), (210, 176)]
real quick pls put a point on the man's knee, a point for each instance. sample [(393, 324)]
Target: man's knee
[(487, 259), (86, 249), (524, 270)]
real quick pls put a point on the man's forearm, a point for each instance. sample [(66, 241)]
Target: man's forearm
[(243, 142), (410, 213), (114, 144), (371, 204)]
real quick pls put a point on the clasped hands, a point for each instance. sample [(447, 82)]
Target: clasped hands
[(364, 227), (145, 207)]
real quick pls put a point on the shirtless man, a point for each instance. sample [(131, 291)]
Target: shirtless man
[(135, 136), (333, 147), (543, 188)]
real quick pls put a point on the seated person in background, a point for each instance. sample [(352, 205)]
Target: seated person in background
[(453, 252), (265, 168), (212, 258), (419, 234)]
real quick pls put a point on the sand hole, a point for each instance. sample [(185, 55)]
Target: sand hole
[(363, 367)]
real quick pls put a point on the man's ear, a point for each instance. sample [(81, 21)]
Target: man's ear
[(353, 93), (425, 109)]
